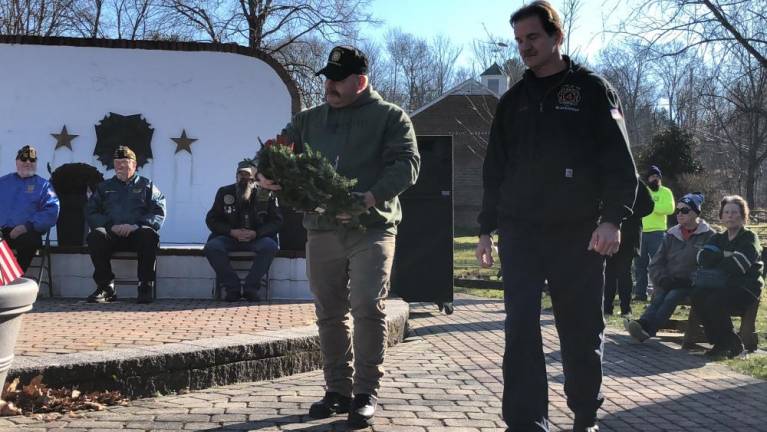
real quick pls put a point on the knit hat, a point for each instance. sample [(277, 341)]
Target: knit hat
[(247, 165), (653, 170), (693, 200), (124, 152)]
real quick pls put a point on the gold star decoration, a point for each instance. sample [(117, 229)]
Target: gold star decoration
[(64, 139), (183, 142)]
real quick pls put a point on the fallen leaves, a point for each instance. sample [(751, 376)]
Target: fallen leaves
[(35, 399)]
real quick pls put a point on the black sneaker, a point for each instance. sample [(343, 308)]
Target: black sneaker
[(232, 296), (103, 294), (332, 403), (362, 411), (720, 353), (145, 292), (251, 296), (585, 426)]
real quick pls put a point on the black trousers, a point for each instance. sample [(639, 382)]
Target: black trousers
[(25, 245), (530, 255), (714, 308), (102, 243), (618, 279)]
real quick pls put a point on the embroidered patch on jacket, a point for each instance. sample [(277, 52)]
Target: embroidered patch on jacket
[(30, 188), (228, 199), (569, 98)]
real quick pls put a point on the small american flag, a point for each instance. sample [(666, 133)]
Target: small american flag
[(9, 267)]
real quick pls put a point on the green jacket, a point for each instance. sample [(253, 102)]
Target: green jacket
[(743, 263), (664, 206), (371, 140)]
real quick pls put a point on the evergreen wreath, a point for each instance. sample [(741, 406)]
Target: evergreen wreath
[(309, 181)]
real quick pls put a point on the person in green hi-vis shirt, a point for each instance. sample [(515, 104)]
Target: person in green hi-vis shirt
[(653, 229)]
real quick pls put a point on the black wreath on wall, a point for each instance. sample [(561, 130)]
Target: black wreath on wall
[(115, 130)]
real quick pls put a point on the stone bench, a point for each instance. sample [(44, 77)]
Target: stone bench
[(182, 272)]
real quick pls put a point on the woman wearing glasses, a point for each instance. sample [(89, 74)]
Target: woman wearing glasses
[(736, 253), (672, 267)]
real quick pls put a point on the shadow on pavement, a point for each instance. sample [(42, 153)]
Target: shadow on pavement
[(47, 305), (292, 421), (626, 358), (702, 411)]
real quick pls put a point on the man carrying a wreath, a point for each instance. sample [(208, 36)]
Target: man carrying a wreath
[(348, 268)]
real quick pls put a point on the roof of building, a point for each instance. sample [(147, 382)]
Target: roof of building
[(493, 70), (470, 87)]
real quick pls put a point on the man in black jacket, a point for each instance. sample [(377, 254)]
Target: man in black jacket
[(618, 270), (243, 218), (558, 181)]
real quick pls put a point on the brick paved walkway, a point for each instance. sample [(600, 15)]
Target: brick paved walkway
[(63, 326), (446, 377)]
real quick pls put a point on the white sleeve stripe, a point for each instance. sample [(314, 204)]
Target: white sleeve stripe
[(697, 256), (745, 259), (735, 259)]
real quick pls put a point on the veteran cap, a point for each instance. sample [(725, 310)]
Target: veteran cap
[(248, 166), (123, 152), (27, 152), (344, 61)]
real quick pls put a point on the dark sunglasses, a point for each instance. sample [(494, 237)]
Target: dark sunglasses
[(684, 210), (27, 159)]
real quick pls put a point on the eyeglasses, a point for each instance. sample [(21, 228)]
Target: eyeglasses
[(684, 210), (27, 159)]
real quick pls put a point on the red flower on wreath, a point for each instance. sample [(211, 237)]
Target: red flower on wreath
[(280, 140)]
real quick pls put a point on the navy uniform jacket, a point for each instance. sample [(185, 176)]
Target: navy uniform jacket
[(558, 153), (135, 202), (27, 201), (262, 214)]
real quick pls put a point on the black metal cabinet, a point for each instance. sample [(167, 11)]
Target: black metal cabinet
[(423, 262)]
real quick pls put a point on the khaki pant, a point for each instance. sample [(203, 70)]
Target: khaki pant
[(349, 271)]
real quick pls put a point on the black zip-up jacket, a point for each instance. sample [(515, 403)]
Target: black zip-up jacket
[(263, 213), (631, 230), (558, 153)]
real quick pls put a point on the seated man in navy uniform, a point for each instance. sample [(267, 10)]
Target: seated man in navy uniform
[(124, 213), (28, 207), (243, 218)]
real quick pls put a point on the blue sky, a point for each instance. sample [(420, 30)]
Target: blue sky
[(463, 20)]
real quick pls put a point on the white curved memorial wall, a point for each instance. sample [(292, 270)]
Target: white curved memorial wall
[(223, 100)]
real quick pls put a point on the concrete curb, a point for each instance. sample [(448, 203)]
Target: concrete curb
[(193, 365)]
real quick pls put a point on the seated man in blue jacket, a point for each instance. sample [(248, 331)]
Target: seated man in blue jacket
[(28, 207), (243, 218), (124, 213)]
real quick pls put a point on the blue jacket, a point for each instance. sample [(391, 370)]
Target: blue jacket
[(135, 202), (27, 201)]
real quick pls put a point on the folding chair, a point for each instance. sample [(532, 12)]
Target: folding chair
[(44, 272)]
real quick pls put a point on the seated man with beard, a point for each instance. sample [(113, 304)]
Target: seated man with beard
[(28, 207), (242, 218)]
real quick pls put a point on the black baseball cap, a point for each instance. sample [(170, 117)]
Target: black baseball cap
[(344, 61)]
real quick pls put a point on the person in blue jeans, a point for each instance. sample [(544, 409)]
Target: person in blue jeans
[(243, 218), (672, 267), (653, 228)]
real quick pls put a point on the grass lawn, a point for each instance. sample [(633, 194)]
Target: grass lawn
[(466, 267)]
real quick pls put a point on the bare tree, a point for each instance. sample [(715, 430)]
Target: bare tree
[(713, 24), (626, 66), (85, 18), (412, 61), (34, 17), (736, 101), (570, 11), (444, 55)]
